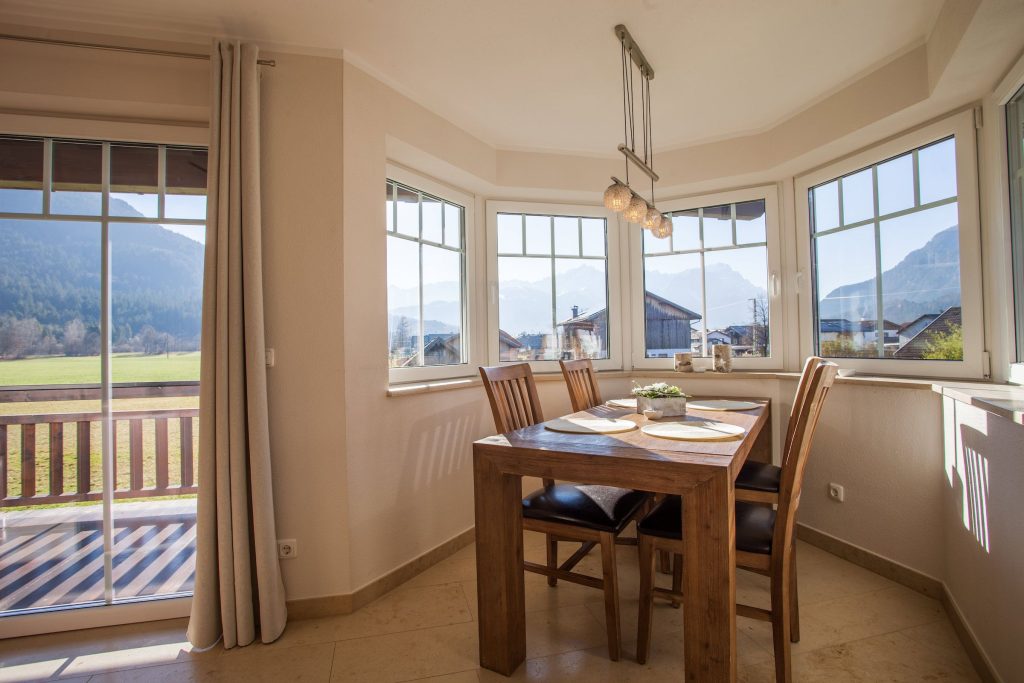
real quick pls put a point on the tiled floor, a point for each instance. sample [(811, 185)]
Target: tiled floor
[(856, 626)]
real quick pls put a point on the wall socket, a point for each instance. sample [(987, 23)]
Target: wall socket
[(270, 357), (835, 492), (287, 548)]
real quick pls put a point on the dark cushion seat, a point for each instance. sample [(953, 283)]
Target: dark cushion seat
[(604, 508), (759, 476), (754, 524)]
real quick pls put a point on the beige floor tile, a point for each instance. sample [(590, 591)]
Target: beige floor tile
[(407, 656), (82, 653), (541, 597), (403, 609), (892, 657), (460, 677), (308, 663), (461, 566), (871, 614), (562, 630)]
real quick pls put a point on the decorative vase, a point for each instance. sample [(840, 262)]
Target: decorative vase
[(684, 362), (669, 407), (723, 357)]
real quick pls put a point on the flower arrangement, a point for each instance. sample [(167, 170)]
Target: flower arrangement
[(659, 390)]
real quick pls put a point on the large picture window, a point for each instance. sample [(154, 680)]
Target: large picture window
[(1015, 158), (552, 287), (426, 278), (887, 259), (710, 282), (893, 253)]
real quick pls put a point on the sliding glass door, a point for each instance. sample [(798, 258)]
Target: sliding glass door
[(100, 310)]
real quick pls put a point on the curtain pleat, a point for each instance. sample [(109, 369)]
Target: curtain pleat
[(239, 593)]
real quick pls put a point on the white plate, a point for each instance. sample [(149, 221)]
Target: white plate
[(722, 405), (694, 430), (623, 403), (589, 425)]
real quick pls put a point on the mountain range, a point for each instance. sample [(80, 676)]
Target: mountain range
[(927, 280), (50, 271)]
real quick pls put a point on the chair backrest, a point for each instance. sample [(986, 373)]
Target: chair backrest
[(513, 396), (819, 374), (798, 400), (582, 382)]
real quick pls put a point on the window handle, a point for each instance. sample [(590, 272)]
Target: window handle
[(774, 285), (494, 293)]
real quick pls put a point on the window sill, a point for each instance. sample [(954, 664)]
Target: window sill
[(1003, 400), (454, 384)]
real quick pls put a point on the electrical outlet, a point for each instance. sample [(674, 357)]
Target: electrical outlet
[(836, 493), (270, 357), (287, 548)]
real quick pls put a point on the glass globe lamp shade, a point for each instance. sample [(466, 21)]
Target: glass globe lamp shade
[(617, 197), (636, 212), (653, 219)]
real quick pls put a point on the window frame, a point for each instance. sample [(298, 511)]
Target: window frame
[(613, 274), (467, 201), (961, 128), (769, 194)]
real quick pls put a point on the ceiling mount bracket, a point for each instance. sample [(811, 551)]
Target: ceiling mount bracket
[(634, 51)]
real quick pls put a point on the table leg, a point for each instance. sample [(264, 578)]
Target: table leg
[(709, 581), (499, 566)]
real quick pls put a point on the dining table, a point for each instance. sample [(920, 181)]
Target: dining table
[(702, 472)]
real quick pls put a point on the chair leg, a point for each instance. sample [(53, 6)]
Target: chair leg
[(794, 603), (781, 627), (552, 546), (611, 594), (677, 577), (644, 623), (664, 562)]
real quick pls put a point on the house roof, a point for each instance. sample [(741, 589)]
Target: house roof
[(919, 343), (870, 325), (926, 316), (835, 325), (507, 339), (651, 297)]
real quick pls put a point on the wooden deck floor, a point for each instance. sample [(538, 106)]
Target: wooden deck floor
[(50, 558)]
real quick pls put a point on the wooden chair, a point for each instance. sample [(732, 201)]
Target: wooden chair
[(590, 515), (758, 482), (582, 382), (765, 537)]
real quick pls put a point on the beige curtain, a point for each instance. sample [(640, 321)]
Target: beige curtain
[(238, 589)]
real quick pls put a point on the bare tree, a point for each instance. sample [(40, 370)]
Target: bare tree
[(74, 337), (19, 337)]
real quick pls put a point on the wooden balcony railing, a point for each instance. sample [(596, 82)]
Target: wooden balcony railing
[(159, 455)]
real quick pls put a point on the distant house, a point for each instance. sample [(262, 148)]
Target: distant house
[(509, 347), (922, 341), (868, 330), (534, 346), (830, 329), (438, 349), (584, 335), (668, 326), (719, 337), (911, 329)]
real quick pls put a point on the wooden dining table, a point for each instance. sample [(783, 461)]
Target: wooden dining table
[(702, 472)]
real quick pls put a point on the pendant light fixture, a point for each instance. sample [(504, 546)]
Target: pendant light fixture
[(619, 196)]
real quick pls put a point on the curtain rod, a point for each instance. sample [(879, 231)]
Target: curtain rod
[(119, 48)]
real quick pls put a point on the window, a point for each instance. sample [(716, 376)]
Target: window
[(553, 280), (710, 282), (83, 223), (1015, 157), (887, 257), (426, 251), (894, 255)]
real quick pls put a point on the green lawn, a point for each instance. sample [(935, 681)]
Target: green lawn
[(127, 367)]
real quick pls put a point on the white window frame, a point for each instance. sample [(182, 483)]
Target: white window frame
[(612, 273), (770, 195), (961, 126), (467, 201)]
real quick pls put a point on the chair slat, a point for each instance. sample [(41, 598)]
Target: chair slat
[(579, 375)]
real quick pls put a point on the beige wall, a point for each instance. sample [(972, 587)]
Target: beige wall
[(983, 552)]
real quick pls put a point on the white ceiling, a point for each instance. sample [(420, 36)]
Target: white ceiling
[(544, 74)]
